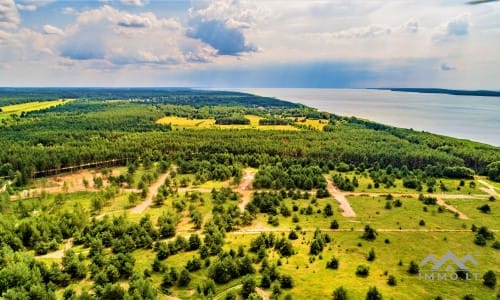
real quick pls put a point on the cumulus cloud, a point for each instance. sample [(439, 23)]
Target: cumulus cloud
[(122, 38), (135, 21), (456, 27), (216, 33), (49, 29), (9, 17), (222, 24)]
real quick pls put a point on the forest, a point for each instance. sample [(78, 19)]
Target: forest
[(201, 234)]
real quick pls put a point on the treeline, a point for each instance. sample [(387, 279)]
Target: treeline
[(274, 121), (290, 177)]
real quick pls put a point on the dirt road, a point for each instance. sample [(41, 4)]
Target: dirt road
[(345, 207), (153, 190), (489, 189), (245, 189)]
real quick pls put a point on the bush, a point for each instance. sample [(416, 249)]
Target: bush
[(333, 263), (371, 255), (370, 234), (392, 280), (286, 282), (413, 268), (362, 271), (334, 225), (248, 286), (490, 279), (293, 235), (340, 293), (184, 278), (373, 294), (485, 208)]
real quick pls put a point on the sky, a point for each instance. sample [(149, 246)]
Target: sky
[(259, 43)]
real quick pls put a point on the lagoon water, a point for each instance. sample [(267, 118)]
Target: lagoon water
[(468, 117)]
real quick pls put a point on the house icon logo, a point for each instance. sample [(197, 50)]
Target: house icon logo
[(448, 267)]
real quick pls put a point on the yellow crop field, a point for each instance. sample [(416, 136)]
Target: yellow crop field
[(180, 122), (17, 109)]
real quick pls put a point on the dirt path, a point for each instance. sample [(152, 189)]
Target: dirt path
[(345, 207), (489, 189), (451, 208), (58, 253), (245, 188), (153, 190)]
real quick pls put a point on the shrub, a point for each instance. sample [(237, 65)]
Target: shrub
[(490, 279), (392, 280), (373, 294), (333, 263), (362, 271), (413, 268), (340, 293)]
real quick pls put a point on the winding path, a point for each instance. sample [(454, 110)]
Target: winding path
[(345, 207), (489, 189), (153, 190)]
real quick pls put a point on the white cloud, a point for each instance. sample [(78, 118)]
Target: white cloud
[(49, 29), (122, 38), (28, 7), (456, 27), (68, 11), (9, 17), (133, 2)]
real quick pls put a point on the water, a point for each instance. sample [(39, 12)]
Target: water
[(468, 117)]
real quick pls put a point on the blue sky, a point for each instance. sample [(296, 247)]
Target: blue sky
[(259, 43)]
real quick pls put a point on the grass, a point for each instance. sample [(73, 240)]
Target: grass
[(469, 208), (370, 210), (17, 109), (312, 279), (452, 185)]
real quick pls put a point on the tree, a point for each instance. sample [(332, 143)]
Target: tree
[(493, 171), (340, 293), (392, 280), (141, 288), (248, 286), (373, 294), (413, 268), (362, 271), (184, 278), (333, 263), (371, 255), (370, 234), (316, 247), (334, 225), (328, 211), (490, 279), (286, 281), (194, 242), (485, 208)]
